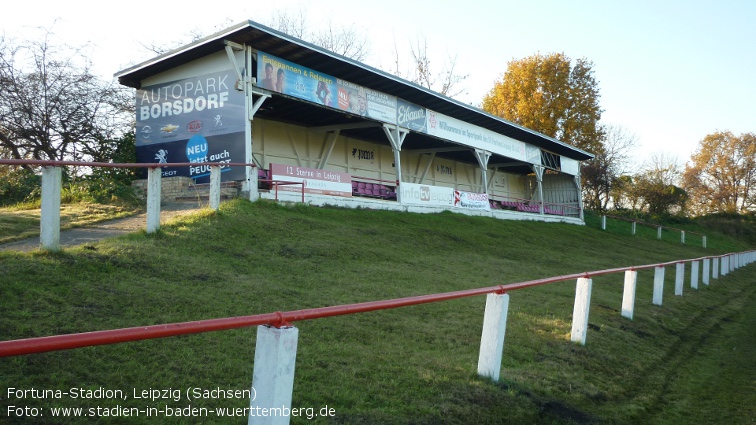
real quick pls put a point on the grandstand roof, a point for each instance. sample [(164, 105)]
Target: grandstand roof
[(284, 108)]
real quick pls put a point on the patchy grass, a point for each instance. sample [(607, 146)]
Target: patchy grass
[(413, 365), (20, 223)]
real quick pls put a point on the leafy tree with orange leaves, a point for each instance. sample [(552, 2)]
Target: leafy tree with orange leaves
[(721, 176), (552, 95)]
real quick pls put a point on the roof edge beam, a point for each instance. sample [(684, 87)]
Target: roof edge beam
[(340, 127)]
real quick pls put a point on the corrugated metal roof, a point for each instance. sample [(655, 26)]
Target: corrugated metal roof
[(306, 54)]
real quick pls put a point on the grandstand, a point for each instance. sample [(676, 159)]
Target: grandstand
[(345, 133)]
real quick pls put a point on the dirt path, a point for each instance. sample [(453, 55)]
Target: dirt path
[(105, 229)]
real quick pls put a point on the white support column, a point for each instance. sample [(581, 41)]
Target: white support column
[(154, 176), (579, 188), (215, 187), (273, 376), (396, 137), (694, 274), (538, 169), (724, 266), (732, 260), (492, 339), (703, 238), (628, 296), (706, 271), (658, 232), (49, 222), (682, 236), (658, 285), (715, 268), (483, 156), (581, 310), (603, 222), (679, 278), (633, 228)]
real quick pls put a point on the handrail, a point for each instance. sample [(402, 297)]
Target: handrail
[(56, 163), (652, 224), (281, 319)]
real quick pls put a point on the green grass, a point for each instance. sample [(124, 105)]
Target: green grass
[(687, 360), (21, 223)]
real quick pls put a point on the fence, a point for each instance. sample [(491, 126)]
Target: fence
[(49, 224), (657, 226), (275, 352)]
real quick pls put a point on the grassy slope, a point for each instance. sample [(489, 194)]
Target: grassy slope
[(17, 224), (416, 365)]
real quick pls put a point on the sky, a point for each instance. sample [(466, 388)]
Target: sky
[(669, 72)]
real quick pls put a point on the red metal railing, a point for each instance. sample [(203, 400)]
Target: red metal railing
[(630, 220), (50, 163), (279, 319)]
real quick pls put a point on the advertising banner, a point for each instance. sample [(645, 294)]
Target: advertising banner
[(321, 182), (426, 195), (279, 75), (471, 201), (570, 166), (409, 115), (449, 128), (197, 119), (381, 106)]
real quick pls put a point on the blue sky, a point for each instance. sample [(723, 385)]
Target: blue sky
[(669, 71)]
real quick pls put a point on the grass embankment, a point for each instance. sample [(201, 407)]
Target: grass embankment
[(21, 223), (689, 361)]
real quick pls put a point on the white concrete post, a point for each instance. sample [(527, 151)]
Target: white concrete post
[(715, 268), (704, 241), (679, 278), (733, 261), (706, 271), (254, 194), (628, 296), (694, 274), (603, 222), (658, 285), (682, 236), (633, 231), (581, 309), (492, 339), (215, 187), (725, 267), (658, 232), (273, 376), (154, 176), (49, 223)]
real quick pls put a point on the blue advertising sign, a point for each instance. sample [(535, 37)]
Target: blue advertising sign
[(409, 115), (279, 75), (197, 119)]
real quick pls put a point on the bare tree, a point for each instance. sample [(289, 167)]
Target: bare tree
[(53, 106), (446, 81), (601, 175), (345, 41)]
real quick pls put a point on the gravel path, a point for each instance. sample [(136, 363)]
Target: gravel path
[(105, 229)]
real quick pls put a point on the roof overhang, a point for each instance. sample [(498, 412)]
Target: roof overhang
[(282, 45)]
